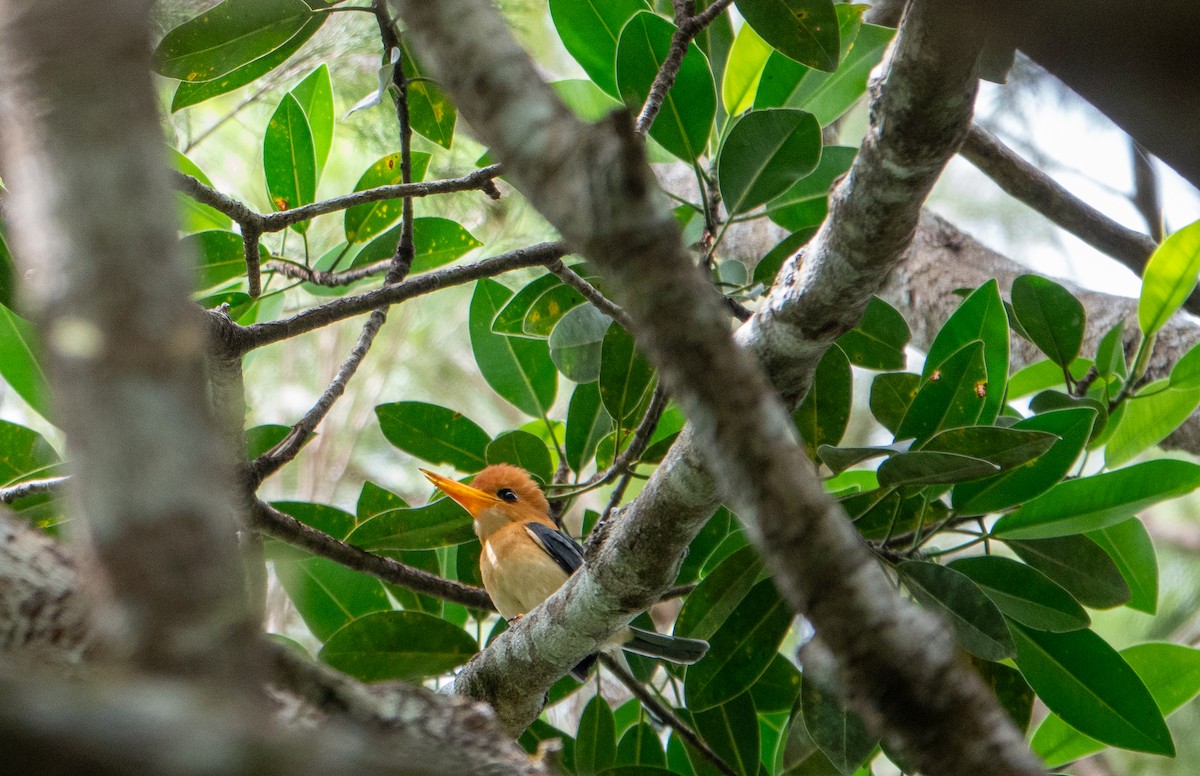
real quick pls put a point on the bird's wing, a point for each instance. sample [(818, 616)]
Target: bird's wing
[(566, 551)]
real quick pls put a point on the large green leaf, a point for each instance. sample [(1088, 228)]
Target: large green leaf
[(1051, 316), (1092, 503), (289, 158), (731, 729), (398, 645), (686, 117), (879, 339), (520, 370), (779, 686), (951, 395), (976, 621), (1150, 416), (192, 93), (577, 341), (19, 365), (438, 241), (511, 318), (743, 69), (596, 739), (806, 202), (1169, 277), (1129, 546), (1083, 680), (587, 423), (1079, 565), (220, 256), (440, 524), (981, 317), (1170, 671), (721, 592), (1024, 593), (805, 30), (626, 378), (430, 111), (520, 448), (1004, 447), (590, 29), (315, 96), (828, 96), (892, 393), (640, 746), (824, 414), (435, 434), (1023, 483), (362, 222), (764, 153), (715, 529), (227, 36), (549, 308), (740, 650), (838, 732), (328, 595), (922, 467), (193, 216)]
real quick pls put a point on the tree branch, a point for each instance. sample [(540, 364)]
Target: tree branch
[(30, 487)]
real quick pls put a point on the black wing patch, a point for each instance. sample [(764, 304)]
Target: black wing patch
[(566, 551)]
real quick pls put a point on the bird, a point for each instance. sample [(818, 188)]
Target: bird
[(525, 557)]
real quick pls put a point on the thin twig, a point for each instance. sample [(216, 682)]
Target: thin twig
[(242, 339), (29, 488), (289, 530), (291, 269), (590, 293), (687, 26), (666, 714), (402, 259)]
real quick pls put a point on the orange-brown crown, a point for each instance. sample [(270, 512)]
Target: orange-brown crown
[(497, 477)]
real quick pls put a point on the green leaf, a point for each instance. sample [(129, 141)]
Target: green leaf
[(193, 216), (929, 468), (1023, 483), (720, 592), (289, 158), (805, 30), (740, 650), (686, 117), (26, 455), (438, 241), (805, 203), (398, 645), (587, 423), (19, 365), (262, 438), (520, 370), (362, 222), (640, 746), (879, 339), (981, 316), (1014, 693), (1083, 680), (777, 689), (764, 153), (626, 378), (549, 308), (1004, 447), (1024, 593), (374, 499), (976, 621), (1051, 316), (8, 271), (596, 739), (520, 448), (768, 267), (188, 94), (511, 318), (1150, 416), (892, 393), (1110, 356), (838, 732), (824, 414), (435, 434), (1170, 671), (731, 729), (227, 36), (315, 96), (1129, 545), (1169, 277), (743, 69), (328, 595), (1040, 376), (827, 96), (887, 513), (951, 395), (1079, 565), (430, 111), (590, 29), (220, 256), (577, 341), (838, 459), (1098, 501), (714, 531)]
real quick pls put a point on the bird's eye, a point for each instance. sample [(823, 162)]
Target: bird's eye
[(507, 494)]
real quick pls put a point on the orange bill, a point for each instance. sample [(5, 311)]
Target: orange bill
[(471, 499)]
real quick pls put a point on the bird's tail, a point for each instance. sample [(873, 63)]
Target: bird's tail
[(675, 649)]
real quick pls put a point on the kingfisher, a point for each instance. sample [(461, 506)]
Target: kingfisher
[(526, 558)]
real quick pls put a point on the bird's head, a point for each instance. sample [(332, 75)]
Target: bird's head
[(498, 495)]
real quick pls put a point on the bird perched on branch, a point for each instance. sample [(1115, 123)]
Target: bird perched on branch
[(526, 558)]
